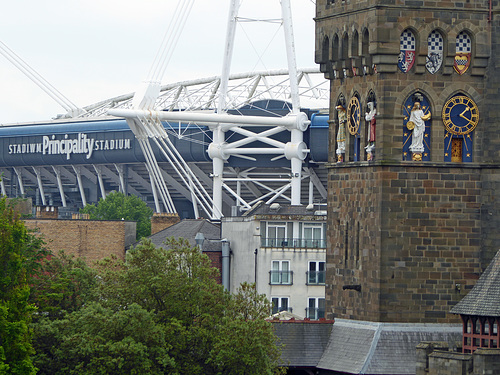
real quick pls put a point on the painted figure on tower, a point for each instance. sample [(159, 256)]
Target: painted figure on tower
[(417, 125), (342, 116), (371, 123)]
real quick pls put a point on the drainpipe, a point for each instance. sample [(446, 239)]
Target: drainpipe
[(225, 263)]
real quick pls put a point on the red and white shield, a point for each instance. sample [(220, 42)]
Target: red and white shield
[(462, 62), (406, 60)]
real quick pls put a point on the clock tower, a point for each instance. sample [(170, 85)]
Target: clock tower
[(414, 180)]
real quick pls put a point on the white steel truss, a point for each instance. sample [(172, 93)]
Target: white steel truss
[(156, 112), (145, 120)]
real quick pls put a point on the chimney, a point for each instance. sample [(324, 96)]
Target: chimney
[(161, 221), (47, 212)]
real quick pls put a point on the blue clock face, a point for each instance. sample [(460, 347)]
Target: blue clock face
[(460, 115), (353, 115)]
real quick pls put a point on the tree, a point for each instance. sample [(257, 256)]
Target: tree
[(63, 284), (15, 312), (99, 340), (210, 331), (118, 206), (159, 311)]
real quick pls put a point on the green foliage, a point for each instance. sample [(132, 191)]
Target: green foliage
[(98, 340), (15, 311), (64, 284), (159, 311), (119, 206)]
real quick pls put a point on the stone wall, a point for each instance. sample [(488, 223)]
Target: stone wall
[(435, 359), (409, 236), (89, 239), (412, 236)]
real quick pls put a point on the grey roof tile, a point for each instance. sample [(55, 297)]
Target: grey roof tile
[(187, 229), (484, 298), (304, 342), (357, 347)]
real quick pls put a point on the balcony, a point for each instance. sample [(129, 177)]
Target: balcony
[(293, 243), (315, 313), (316, 277), (281, 277)]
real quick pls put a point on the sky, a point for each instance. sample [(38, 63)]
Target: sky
[(92, 50)]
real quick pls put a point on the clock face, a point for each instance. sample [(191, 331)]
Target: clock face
[(460, 115), (353, 115)]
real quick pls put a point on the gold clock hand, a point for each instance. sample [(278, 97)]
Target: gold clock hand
[(462, 115)]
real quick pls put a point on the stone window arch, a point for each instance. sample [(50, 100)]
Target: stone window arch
[(325, 50), (435, 52), (365, 52), (355, 58), (407, 50)]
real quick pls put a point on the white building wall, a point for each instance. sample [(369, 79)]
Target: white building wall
[(243, 233), (244, 237)]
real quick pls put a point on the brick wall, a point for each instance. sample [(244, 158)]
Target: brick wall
[(161, 221), (90, 239), (216, 260)]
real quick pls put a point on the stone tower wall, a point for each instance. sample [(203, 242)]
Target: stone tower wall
[(414, 236)]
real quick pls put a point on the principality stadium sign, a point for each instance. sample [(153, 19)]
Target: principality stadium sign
[(82, 144)]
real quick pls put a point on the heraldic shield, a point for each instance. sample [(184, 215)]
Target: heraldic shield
[(462, 53), (406, 51), (462, 62), (434, 58)]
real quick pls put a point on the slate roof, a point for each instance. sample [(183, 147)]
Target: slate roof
[(187, 229), (357, 347), (484, 298), (304, 342), (260, 208)]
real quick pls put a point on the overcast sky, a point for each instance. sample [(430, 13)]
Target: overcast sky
[(91, 50)]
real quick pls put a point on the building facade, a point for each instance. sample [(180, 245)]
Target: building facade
[(283, 250), (414, 154)]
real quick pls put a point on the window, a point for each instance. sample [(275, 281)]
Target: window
[(316, 308), (275, 234), (316, 273), (280, 304), (280, 273), (312, 235)]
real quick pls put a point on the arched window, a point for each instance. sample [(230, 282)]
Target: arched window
[(335, 56), (325, 50), (365, 44), (355, 44), (335, 48), (463, 52), (355, 60), (460, 117), (416, 128), (434, 58), (345, 47), (407, 47)]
